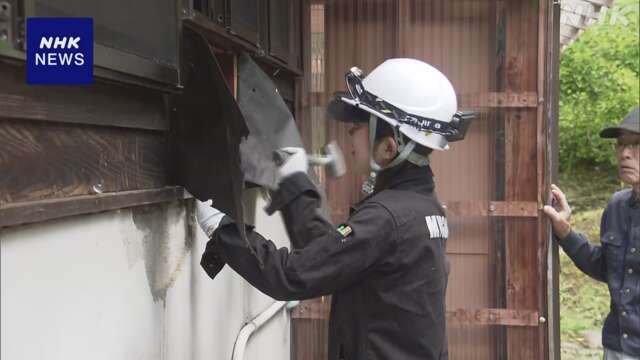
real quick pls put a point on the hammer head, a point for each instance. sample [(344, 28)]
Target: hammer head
[(336, 165)]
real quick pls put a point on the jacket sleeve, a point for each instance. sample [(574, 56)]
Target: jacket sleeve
[(299, 201), (588, 258), (330, 261)]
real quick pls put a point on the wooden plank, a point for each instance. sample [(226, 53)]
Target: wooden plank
[(492, 208), (528, 99), (319, 308), (310, 339), (96, 104), (35, 211), (41, 160), (549, 81), (504, 317), (542, 176), (507, 317), (522, 240)]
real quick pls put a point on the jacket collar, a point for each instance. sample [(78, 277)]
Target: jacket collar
[(407, 177), (410, 178)]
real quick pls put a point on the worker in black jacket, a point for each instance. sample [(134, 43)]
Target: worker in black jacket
[(617, 260), (386, 267)]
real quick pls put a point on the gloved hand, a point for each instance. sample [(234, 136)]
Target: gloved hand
[(295, 160), (208, 217)]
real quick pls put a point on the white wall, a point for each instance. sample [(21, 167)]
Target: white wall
[(127, 284)]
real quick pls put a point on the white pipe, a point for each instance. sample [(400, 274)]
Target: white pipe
[(257, 322)]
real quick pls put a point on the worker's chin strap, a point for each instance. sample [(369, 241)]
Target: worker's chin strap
[(406, 150)]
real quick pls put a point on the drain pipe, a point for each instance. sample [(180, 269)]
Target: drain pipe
[(257, 322)]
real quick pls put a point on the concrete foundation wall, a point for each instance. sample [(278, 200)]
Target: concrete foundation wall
[(127, 284)]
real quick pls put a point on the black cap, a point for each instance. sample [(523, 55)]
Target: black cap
[(341, 111), (630, 123)]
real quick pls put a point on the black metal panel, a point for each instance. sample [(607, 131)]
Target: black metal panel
[(206, 130), (271, 127)]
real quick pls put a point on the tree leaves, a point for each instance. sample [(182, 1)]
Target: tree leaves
[(599, 85)]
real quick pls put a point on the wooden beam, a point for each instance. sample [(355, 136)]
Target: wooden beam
[(522, 238), (492, 208), (528, 99), (504, 317), (316, 309), (479, 100), (35, 211), (41, 160), (551, 85), (96, 104)]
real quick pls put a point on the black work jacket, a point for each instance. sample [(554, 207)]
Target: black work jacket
[(386, 268), (616, 262)]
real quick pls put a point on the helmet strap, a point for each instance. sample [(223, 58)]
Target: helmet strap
[(418, 160), (405, 149)]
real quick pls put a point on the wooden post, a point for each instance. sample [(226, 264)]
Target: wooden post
[(522, 236)]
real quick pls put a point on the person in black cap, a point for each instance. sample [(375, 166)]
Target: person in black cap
[(617, 260), (386, 267)]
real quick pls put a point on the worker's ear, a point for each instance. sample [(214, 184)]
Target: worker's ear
[(385, 150)]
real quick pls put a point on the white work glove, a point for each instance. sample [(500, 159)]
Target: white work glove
[(295, 160), (208, 217)]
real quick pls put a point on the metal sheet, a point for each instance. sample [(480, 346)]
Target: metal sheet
[(270, 123), (206, 131), (271, 127)]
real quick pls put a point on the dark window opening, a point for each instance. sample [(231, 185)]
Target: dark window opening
[(244, 20), (141, 30)]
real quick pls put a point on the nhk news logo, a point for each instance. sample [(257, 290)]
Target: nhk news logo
[(59, 50)]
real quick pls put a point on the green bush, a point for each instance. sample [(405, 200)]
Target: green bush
[(599, 84)]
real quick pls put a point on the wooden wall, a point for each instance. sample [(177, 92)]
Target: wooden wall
[(62, 143)]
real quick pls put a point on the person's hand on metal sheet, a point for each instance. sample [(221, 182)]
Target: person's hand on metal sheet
[(292, 160), (208, 217), (559, 213)]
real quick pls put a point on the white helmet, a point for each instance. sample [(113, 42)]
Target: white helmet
[(414, 98)]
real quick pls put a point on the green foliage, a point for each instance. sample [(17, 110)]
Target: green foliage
[(599, 84)]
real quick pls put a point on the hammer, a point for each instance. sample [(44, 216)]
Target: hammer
[(332, 159)]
